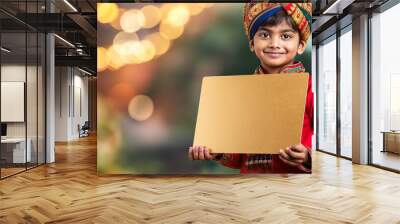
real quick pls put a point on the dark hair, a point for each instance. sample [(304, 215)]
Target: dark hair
[(280, 17)]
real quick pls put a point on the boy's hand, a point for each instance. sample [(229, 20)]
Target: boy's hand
[(201, 153), (296, 155)]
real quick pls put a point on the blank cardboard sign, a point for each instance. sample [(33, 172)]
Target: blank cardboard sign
[(251, 113)]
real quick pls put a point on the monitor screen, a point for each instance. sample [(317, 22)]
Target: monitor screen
[(3, 129)]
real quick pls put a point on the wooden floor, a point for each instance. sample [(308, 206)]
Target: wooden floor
[(70, 191), (10, 171)]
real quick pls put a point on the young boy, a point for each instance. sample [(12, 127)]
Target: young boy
[(277, 32)]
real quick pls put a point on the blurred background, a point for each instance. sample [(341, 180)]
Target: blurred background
[(150, 61)]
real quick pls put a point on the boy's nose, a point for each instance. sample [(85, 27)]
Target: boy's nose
[(274, 43)]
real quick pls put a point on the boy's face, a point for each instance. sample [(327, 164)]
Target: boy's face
[(276, 46)]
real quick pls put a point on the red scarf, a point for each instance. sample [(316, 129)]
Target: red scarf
[(295, 67)]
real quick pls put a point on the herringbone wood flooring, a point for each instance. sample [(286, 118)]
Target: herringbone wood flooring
[(70, 191)]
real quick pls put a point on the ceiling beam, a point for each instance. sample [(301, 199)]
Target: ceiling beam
[(86, 26), (82, 61)]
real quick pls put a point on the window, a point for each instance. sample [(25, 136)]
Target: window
[(385, 89), (327, 96), (346, 74)]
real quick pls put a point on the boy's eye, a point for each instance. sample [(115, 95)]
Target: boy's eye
[(263, 34), (286, 36)]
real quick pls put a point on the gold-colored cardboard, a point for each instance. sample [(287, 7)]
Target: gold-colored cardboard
[(257, 114)]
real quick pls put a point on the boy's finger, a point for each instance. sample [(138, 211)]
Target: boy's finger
[(293, 154), (288, 158), (298, 148), (190, 153), (288, 162), (284, 154), (196, 153), (208, 155), (195, 148), (201, 153)]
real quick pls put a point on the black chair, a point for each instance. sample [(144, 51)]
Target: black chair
[(84, 130)]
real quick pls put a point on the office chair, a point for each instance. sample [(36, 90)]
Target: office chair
[(84, 130)]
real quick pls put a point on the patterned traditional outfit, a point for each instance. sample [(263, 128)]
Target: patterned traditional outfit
[(255, 14)]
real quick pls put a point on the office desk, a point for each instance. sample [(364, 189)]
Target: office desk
[(16, 148), (391, 141)]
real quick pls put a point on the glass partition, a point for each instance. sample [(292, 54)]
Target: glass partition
[(14, 153), (22, 89)]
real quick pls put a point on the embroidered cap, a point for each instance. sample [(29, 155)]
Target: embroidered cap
[(255, 14)]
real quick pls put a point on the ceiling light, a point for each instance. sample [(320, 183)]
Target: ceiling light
[(337, 7), (64, 40), (5, 50), (84, 71), (70, 5)]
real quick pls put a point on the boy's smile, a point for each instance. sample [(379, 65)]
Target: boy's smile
[(276, 46)]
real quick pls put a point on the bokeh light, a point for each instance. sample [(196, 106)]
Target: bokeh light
[(116, 61), (169, 31), (107, 12), (124, 43), (152, 16), (102, 59), (160, 43), (116, 23), (165, 8), (144, 51), (141, 107), (133, 58), (178, 16), (132, 20), (127, 47)]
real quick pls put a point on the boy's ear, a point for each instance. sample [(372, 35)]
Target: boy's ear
[(251, 44), (302, 47)]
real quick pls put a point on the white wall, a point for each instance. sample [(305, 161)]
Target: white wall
[(81, 100), (12, 101), (16, 73), (33, 126), (71, 93), (61, 103)]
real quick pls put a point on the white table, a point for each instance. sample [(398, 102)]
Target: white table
[(18, 145)]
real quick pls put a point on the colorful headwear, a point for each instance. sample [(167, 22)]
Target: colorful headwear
[(255, 14)]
